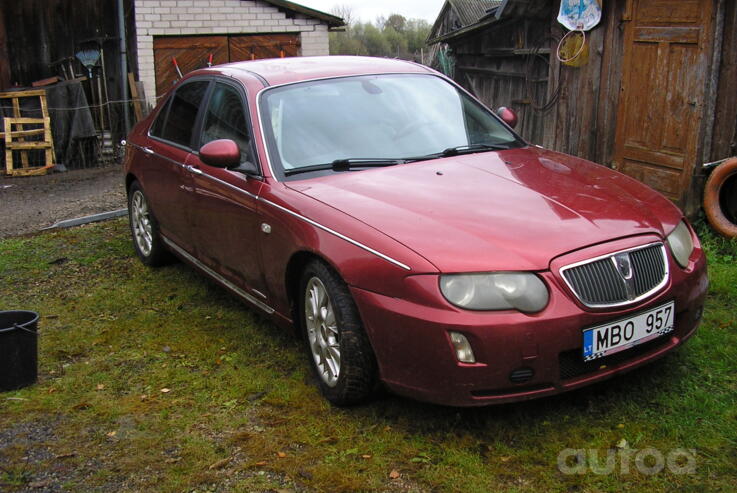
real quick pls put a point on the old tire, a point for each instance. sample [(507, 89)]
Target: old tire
[(720, 198), (144, 229), (340, 353)]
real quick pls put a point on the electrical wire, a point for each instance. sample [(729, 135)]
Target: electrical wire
[(531, 57)]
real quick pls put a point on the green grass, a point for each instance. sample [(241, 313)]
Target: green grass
[(242, 413)]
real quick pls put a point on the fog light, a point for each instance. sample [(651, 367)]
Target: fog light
[(464, 353)]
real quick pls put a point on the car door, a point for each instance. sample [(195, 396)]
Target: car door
[(225, 212), (167, 181)]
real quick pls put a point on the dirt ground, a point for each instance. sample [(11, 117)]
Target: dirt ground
[(28, 204)]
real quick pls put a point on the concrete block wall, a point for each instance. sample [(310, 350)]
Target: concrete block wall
[(195, 17)]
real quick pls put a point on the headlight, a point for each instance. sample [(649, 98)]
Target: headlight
[(495, 291), (681, 244)]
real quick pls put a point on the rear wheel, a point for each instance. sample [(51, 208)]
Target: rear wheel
[(340, 352), (144, 229)]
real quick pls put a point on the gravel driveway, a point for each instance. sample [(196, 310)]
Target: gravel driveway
[(28, 204)]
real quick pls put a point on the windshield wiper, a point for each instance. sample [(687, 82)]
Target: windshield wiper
[(463, 149), (346, 164)]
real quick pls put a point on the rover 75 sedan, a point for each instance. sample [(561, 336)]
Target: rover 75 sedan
[(414, 240)]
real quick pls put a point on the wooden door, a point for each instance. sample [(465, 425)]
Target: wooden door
[(667, 44), (191, 53), (258, 46)]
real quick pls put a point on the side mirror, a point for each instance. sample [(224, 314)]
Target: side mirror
[(223, 153), (508, 115)]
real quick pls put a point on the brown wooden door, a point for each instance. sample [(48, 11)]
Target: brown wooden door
[(258, 46), (667, 43), (191, 53)]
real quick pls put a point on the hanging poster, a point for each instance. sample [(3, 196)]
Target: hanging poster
[(580, 15)]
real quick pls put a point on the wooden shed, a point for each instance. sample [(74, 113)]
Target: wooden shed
[(655, 99)]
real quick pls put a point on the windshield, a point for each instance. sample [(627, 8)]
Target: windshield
[(390, 117)]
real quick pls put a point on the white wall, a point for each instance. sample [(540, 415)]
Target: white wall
[(192, 17)]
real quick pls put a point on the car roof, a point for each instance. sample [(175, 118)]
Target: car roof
[(277, 71)]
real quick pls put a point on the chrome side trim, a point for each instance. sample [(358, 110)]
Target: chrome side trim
[(309, 221), (258, 293), (335, 233), (218, 277), (360, 245), (226, 184), (151, 152), (643, 296)]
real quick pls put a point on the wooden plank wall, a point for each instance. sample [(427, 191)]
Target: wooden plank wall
[(498, 67), (724, 142), (4, 61), (584, 120), (40, 32)]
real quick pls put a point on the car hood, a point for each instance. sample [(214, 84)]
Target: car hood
[(509, 210)]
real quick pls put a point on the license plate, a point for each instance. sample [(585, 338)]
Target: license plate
[(614, 337)]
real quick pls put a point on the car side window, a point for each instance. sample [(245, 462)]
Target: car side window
[(157, 128), (226, 119), (183, 113)]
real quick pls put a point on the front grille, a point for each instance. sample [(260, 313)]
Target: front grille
[(573, 365), (599, 283)]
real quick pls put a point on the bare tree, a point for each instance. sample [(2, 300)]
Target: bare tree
[(345, 12)]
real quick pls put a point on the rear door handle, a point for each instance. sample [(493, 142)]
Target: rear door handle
[(148, 150)]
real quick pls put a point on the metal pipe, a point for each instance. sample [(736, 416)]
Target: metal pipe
[(123, 66)]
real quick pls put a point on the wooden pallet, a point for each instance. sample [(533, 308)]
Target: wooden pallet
[(15, 140), (14, 133)]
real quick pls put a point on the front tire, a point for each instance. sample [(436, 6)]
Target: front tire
[(340, 353), (145, 229)]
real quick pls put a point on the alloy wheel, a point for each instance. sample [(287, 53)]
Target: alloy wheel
[(322, 331), (141, 222)]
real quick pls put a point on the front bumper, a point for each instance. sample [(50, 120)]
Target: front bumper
[(519, 356)]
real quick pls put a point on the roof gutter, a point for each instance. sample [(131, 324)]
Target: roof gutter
[(333, 21)]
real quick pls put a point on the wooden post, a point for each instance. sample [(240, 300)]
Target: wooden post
[(134, 95)]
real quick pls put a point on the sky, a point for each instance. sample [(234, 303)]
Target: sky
[(369, 10)]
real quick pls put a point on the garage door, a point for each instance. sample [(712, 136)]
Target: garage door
[(193, 52)]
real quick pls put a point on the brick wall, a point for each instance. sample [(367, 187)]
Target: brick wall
[(192, 17)]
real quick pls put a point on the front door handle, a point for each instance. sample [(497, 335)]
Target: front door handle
[(194, 170), (148, 150)]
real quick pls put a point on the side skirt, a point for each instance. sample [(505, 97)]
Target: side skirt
[(217, 277)]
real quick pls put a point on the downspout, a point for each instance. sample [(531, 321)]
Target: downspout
[(123, 66)]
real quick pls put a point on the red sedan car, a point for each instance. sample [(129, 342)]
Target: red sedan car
[(408, 233)]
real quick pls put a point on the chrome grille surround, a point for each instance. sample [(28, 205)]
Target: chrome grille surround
[(599, 282)]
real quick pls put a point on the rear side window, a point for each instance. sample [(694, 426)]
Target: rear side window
[(158, 127), (183, 112), (226, 119)]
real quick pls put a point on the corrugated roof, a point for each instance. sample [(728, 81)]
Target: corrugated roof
[(472, 11), (460, 15)]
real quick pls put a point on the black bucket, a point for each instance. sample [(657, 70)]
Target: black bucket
[(18, 349)]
